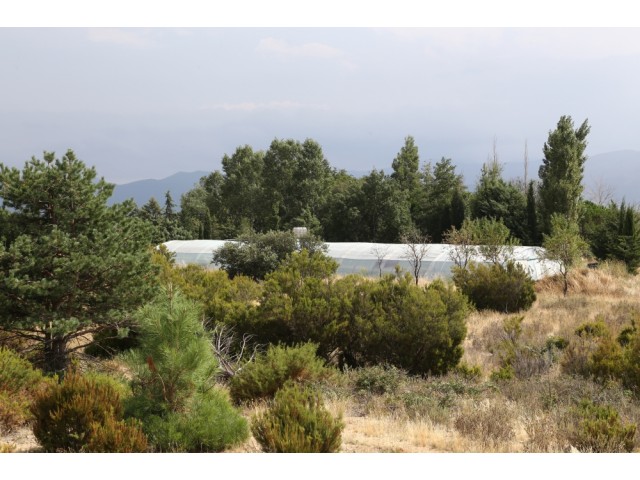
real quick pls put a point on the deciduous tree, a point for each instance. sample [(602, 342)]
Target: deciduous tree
[(564, 245)]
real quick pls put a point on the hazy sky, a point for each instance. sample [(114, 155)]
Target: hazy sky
[(146, 103)]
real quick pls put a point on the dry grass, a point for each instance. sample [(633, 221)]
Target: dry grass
[(608, 294)]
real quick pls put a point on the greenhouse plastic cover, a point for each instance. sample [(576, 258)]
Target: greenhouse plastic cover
[(361, 257)]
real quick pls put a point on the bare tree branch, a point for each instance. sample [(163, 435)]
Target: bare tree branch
[(231, 358), (380, 252), (416, 249)]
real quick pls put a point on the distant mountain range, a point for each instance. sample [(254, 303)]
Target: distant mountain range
[(142, 190), (614, 173)]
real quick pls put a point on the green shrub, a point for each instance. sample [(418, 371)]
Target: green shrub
[(228, 301), (598, 428), (209, 424), (68, 414), (469, 372), (607, 361), (626, 335), (121, 385), (270, 370), (505, 372), (557, 343), (594, 353), (297, 422), (378, 379), (631, 372), (19, 383), (597, 329), (16, 373), (506, 288), (388, 321)]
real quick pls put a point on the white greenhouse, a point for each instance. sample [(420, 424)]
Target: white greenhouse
[(363, 258)]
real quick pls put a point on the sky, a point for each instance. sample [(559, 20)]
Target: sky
[(148, 102)]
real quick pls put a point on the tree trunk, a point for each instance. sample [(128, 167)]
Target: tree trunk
[(56, 358)]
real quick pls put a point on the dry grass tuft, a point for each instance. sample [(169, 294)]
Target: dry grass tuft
[(492, 424), (7, 447)]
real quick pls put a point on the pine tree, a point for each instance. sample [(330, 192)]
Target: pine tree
[(441, 206), (497, 199), (70, 265)]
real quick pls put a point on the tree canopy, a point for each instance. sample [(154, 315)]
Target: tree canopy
[(562, 170), (70, 264)]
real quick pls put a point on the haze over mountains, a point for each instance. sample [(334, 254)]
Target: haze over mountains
[(615, 174)]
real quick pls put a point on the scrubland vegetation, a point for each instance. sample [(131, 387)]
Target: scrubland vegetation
[(560, 376)]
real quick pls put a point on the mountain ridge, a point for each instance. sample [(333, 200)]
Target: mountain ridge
[(141, 191)]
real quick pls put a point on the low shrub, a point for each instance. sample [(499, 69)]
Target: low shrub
[(115, 436), (272, 369), (597, 329), (378, 379), (469, 372), (68, 414), (594, 353), (14, 411), (556, 343), (517, 358), (505, 372), (631, 371), (208, 424), (19, 383), (297, 422), (496, 287), (599, 429), (16, 373)]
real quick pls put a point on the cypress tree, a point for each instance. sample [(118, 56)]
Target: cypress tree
[(562, 170), (532, 216)]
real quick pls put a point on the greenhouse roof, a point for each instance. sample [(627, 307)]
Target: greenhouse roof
[(362, 258)]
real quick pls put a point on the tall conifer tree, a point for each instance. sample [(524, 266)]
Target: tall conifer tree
[(562, 170)]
